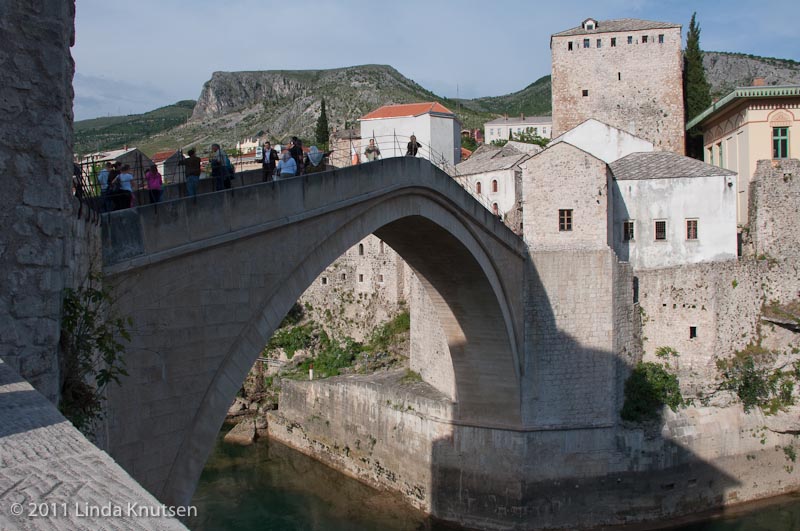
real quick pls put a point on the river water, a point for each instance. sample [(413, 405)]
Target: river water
[(268, 486)]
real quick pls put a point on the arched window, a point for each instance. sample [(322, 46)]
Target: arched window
[(478, 188), (381, 246), (360, 249), (494, 185), (495, 209)]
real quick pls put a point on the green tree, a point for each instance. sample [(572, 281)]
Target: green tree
[(696, 90), (322, 128)]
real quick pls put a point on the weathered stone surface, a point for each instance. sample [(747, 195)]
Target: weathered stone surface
[(243, 434), (45, 460)]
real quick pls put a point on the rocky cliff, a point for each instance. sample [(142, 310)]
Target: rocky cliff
[(726, 71), (285, 102)]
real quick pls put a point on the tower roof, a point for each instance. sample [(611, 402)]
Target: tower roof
[(616, 26)]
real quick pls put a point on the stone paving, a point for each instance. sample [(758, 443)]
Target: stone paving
[(53, 478)]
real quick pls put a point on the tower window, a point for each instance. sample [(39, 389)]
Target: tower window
[(613, 42), (619, 76), (565, 220), (627, 231), (569, 46), (478, 188), (344, 276), (324, 281), (360, 277), (661, 231), (585, 93), (692, 332), (630, 39), (360, 249), (644, 39), (661, 38), (691, 229), (494, 185)]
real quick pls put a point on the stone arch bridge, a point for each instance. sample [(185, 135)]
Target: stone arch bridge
[(208, 281)]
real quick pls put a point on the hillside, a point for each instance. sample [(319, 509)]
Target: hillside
[(533, 100), (276, 104), (113, 132)]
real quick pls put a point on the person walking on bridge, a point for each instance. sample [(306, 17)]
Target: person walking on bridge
[(268, 161), (413, 146), (193, 169), (287, 167)]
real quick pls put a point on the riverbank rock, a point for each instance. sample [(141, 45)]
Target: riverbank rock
[(261, 426), (239, 407), (243, 434)]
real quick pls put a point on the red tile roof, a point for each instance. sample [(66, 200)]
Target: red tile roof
[(161, 156), (406, 109), (465, 153)]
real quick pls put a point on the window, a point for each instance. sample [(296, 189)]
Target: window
[(692, 332), (565, 220), (589, 25), (613, 42), (535, 130), (599, 43), (585, 93), (630, 39), (381, 247), (627, 231), (644, 39), (585, 43), (360, 249), (495, 209), (478, 188), (569, 46), (661, 231), (780, 142), (619, 76), (360, 277), (721, 158), (491, 132), (661, 38), (711, 156), (691, 229), (344, 276), (380, 279), (324, 281), (494, 185)]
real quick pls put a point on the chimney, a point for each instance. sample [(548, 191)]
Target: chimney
[(759, 82)]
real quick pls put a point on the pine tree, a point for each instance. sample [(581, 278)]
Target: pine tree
[(322, 128), (696, 90)]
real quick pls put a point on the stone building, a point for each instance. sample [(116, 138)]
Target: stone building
[(655, 209), (671, 210), (626, 73), (501, 128), (748, 125), (493, 175), (343, 143)]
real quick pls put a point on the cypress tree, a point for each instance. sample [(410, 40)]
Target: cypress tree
[(322, 128), (696, 90)]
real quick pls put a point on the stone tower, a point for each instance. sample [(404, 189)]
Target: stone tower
[(627, 73)]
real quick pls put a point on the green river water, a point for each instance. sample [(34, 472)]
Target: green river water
[(268, 486)]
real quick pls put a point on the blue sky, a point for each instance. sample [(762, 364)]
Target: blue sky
[(132, 57)]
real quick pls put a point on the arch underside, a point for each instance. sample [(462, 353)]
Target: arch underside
[(266, 274)]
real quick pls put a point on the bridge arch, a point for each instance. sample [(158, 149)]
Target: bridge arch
[(469, 266)]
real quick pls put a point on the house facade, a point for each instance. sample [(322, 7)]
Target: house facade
[(168, 164), (671, 210), (436, 128), (750, 124), (627, 73), (502, 128)]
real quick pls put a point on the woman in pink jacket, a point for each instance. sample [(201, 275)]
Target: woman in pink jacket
[(154, 182)]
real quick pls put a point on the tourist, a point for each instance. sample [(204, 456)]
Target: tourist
[(192, 164), (220, 168), (122, 188), (154, 184), (314, 161), (287, 167), (413, 146), (268, 161), (102, 177), (296, 151), (372, 152)]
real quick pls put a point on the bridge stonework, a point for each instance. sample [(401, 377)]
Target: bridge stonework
[(207, 283)]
